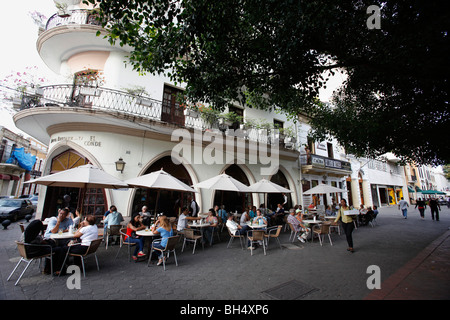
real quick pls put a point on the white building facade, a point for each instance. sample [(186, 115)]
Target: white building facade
[(106, 112)]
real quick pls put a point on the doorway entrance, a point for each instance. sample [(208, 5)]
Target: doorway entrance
[(170, 202)]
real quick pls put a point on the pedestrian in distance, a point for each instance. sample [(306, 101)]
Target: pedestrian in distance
[(435, 207), (421, 205), (347, 224), (403, 205)]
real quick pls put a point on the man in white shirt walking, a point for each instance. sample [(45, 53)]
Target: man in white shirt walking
[(403, 205)]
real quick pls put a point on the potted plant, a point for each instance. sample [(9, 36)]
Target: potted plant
[(231, 118), (209, 114), (62, 9)]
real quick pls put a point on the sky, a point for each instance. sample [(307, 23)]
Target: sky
[(19, 35)]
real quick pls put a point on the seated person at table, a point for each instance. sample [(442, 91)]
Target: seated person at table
[(32, 235), (114, 218), (369, 216), (296, 220), (184, 218), (259, 219), (146, 216), (328, 211), (279, 215), (134, 225), (166, 231), (237, 229), (76, 217), (86, 234), (244, 218), (213, 221), (375, 211), (361, 216), (62, 221), (222, 213), (252, 211)]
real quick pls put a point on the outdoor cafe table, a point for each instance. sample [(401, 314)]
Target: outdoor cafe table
[(312, 222), (62, 236), (200, 226), (256, 225), (148, 234)]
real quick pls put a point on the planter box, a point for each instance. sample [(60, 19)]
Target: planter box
[(145, 102), (89, 91), (191, 113)]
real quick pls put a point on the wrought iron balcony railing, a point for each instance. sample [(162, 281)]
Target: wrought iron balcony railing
[(77, 17), (323, 162), (119, 102)]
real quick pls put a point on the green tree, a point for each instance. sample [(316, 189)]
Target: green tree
[(280, 53)]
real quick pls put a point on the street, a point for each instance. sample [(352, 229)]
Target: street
[(298, 271)]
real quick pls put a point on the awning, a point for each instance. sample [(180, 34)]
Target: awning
[(418, 189), (5, 177), (410, 190)]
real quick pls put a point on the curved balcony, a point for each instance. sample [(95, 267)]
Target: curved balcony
[(59, 104), (65, 36), (76, 17), (319, 165)]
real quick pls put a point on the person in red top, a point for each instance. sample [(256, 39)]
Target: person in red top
[(134, 225)]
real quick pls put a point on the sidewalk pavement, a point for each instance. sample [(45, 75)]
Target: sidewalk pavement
[(426, 277), (412, 254)]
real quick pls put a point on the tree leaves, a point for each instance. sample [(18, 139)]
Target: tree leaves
[(278, 52)]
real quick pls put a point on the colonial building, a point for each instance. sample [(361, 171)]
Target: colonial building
[(13, 173), (108, 113), (322, 162)]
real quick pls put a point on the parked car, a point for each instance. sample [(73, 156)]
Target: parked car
[(34, 201), (15, 209)]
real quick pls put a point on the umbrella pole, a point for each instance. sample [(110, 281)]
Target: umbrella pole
[(156, 203)]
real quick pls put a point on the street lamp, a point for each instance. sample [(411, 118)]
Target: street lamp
[(120, 165)]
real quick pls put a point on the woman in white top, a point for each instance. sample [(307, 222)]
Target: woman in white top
[(86, 234)]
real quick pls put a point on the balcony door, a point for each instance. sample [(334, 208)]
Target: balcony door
[(171, 110)]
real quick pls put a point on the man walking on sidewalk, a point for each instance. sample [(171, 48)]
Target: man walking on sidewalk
[(403, 205), (435, 207)]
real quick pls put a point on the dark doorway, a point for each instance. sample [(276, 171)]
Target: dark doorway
[(232, 200), (169, 201), (90, 201), (274, 199)]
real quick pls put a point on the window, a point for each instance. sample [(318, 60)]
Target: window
[(238, 112), (277, 124), (172, 112), (330, 150)]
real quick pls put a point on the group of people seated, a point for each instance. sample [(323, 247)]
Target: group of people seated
[(82, 237), (366, 214)]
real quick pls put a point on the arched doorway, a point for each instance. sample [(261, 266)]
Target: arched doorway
[(232, 200), (274, 199), (170, 201), (91, 201)]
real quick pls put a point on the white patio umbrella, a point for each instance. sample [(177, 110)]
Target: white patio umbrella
[(223, 182), (86, 176), (266, 186), (83, 177), (159, 180), (323, 189)]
